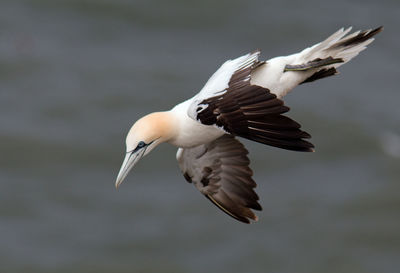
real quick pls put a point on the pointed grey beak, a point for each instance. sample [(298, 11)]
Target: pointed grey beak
[(131, 158)]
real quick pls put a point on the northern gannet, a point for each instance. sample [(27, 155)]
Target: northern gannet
[(242, 98)]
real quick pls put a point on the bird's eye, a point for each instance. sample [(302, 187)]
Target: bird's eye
[(141, 144)]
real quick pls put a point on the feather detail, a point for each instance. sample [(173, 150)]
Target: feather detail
[(220, 171)]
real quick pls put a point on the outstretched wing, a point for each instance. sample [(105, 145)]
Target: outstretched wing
[(230, 102), (220, 171)]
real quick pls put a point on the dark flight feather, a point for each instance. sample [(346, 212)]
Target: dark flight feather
[(253, 112), (220, 171)]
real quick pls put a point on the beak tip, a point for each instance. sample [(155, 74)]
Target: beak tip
[(127, 165), (118, 183)]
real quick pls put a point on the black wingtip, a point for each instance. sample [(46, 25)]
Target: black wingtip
[(375, 31), (378, 29), (359, 38)]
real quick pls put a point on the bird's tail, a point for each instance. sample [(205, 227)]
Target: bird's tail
[(322, 59)]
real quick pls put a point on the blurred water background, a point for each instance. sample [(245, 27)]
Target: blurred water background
[(75, 75)]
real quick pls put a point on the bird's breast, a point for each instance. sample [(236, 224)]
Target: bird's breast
[(190, 133)]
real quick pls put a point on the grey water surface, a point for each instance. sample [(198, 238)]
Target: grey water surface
[(76, 74)]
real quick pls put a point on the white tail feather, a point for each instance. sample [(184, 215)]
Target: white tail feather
[(330, 48), (339, 45)]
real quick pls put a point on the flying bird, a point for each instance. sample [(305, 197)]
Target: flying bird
[(243, 98)]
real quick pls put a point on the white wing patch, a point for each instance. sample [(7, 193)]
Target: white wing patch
[(219, 81)]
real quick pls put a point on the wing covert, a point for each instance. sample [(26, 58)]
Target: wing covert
[(249, 111), (218, 83)]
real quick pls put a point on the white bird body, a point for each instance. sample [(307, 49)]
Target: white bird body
[(242, 98)]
